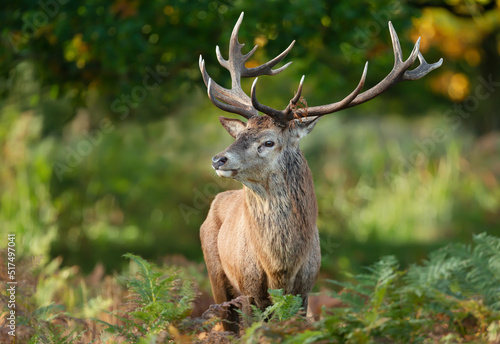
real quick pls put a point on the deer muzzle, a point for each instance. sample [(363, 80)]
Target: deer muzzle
[(218, 161)]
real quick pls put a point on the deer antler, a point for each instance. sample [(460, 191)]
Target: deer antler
[(235, 100), (399, 73)]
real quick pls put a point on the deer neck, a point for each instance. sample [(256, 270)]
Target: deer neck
[(285, 201)]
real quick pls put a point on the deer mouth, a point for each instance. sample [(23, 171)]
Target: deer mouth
[(226, 173)]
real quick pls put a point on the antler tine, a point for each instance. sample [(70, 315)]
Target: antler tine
[(239, 59), (296, 98), (326, 109), (266, 68), (231, 101), (235, 99), (422, 70), (206, 78), (278, 116), (398, 73), (399, 64), (281, 117), (396, 46), (225, 106)]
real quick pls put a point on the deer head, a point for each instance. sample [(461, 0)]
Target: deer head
[(262, 141), (261, 148)]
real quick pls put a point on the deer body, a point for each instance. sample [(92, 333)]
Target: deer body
[(265, 235)]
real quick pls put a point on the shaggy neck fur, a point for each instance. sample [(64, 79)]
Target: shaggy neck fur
[(284, 209)]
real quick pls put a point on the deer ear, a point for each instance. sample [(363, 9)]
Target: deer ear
[(302, 127), (233, 126)]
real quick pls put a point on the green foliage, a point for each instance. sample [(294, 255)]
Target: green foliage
[(374, 202), (84, 43), (461, 272), (55, 334), (455, 293), (26, 208), (451, 298), (48, 327), (162, 295), (149, 179), (129, 194), (161, 298), (284, 307)]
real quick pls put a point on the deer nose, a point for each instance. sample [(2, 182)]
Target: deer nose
[(218, 161)]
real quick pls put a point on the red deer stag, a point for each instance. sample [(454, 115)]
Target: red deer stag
[(265, 235)]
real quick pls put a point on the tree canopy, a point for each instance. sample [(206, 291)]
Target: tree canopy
[(109, 50)]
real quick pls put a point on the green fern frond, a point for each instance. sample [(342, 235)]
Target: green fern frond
[(284, 307), (163, 296)]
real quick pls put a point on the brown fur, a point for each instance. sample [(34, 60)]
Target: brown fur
[(263, 236)]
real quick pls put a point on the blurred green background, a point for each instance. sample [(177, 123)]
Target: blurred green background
[(106, 131)]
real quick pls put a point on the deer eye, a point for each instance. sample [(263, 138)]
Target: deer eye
[(269, 143)]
